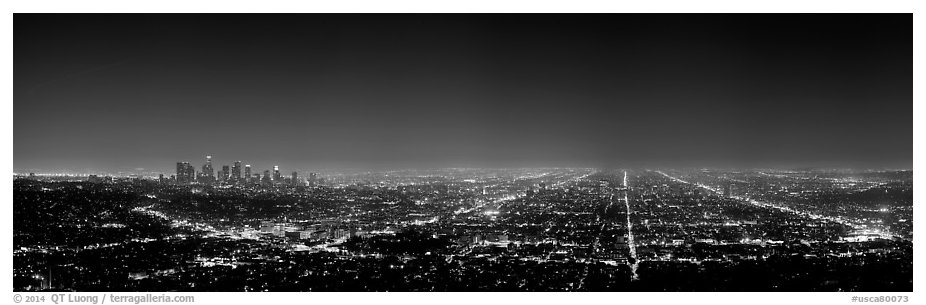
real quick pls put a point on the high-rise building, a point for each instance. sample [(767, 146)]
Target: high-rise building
[(266, 180), (225, 173), (236, 172), (295, 179), (208, 174), (185, 173), (190, 173), (247, 173), (277, 177), (313, 179), (181, 171)]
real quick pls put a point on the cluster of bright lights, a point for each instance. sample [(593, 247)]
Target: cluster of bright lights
[(857, 227)]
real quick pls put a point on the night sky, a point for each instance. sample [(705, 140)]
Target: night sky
[(125, 91)]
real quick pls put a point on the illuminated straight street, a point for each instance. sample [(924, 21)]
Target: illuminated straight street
[(633, 249)]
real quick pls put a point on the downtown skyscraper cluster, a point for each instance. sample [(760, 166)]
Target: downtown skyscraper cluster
[(232, 175)]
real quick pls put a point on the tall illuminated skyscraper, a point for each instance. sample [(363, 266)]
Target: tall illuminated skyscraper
[(185, 173), (181, 170), (225, 174), (208, 174), (266, 180), (277, 177), (247, 173), (236, 172)]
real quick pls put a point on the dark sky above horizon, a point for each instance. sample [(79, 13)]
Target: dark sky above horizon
[(116, 92)]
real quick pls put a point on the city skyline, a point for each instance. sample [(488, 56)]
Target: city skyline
[(111, 93), (153, 172), (185, 153)]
